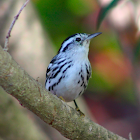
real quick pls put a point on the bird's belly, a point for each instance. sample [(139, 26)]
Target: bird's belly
[(69, 89), (71, 85)]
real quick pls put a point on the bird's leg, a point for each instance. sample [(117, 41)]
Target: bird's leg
[(77, 108)]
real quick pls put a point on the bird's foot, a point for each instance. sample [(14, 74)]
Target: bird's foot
[(81, 113)]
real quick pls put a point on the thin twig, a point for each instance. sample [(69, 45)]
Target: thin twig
[(11, 27)]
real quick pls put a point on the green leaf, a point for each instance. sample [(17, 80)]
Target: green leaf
[(103, 12)]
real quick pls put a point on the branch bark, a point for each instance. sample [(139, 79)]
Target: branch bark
[(32, 95), (17, 123)]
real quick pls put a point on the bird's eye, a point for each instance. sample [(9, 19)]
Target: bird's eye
[(78, 39)]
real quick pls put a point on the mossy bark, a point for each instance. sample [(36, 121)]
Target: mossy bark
[(15, 123)]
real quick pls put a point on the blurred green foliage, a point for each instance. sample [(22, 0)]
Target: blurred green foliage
[(137, 52), (104, 11), (79, 7), (59, 18)]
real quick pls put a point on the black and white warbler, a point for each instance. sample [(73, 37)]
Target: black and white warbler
[(69, 71)]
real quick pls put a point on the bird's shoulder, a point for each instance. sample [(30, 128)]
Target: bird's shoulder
[(50, 67), (55, 64)]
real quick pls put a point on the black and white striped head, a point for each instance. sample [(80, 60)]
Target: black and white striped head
[(76, 42)]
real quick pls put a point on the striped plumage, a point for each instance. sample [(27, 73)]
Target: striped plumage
[(69, 71)]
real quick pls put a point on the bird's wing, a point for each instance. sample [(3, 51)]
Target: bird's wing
[(51, 66)]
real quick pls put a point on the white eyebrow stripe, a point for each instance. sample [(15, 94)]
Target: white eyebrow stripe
[(69, 41)]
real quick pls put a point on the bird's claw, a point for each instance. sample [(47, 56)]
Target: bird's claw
[(81, 113)]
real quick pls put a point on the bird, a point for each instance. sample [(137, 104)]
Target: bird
[(69, 71)]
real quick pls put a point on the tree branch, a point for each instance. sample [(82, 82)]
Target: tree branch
[(32, 95), (15, 123)]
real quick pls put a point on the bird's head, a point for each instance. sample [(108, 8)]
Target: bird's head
[(77, 43)]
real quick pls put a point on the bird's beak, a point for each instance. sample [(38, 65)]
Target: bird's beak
[(93, 35)]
